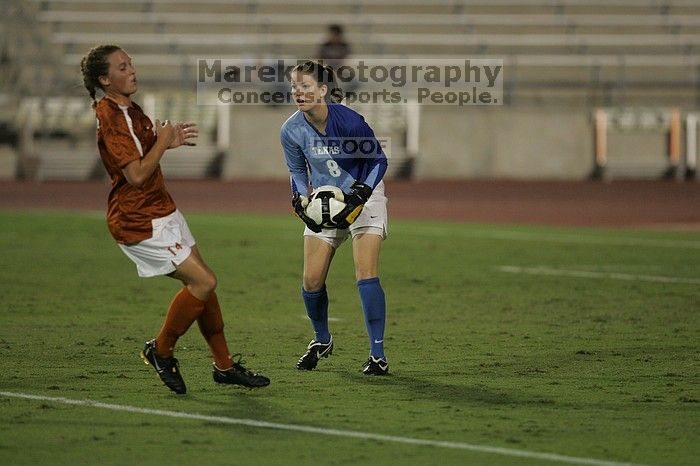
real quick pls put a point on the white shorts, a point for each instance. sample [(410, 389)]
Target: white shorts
[(167, 248), (372, 220)]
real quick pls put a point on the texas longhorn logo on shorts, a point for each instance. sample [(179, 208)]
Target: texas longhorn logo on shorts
[(177, 246)]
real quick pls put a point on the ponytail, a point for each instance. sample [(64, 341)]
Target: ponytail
[(93, 65)]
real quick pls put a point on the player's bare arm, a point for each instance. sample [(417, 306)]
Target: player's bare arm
[(169, 136)]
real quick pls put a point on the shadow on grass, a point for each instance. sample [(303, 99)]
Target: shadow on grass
[(459, 392)]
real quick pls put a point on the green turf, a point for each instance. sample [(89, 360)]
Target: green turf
[(587, 367)]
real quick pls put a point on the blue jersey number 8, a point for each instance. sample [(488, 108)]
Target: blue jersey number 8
[(333, 168)]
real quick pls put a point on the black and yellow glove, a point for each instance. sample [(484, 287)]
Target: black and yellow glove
[(299, 204), (354, 202)]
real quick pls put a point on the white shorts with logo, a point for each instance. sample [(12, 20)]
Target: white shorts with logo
[(372, 220), (168, 247)]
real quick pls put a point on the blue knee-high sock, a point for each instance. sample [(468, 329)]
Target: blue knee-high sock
[(374, 305), (316, 303)]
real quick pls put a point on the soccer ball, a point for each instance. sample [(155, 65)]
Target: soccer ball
[(325, 203)]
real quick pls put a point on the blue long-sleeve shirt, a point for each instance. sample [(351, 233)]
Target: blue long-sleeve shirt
[(348, 151)]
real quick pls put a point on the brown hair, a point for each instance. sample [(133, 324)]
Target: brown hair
[(324, 75), (95, 64)]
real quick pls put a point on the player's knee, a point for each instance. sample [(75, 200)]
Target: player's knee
[(206, 284), (211, 282), (313, 283)]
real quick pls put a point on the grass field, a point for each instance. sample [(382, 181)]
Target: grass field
[(578, 342)]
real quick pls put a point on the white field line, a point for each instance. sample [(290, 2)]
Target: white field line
[(322, 431), (553, 237), (330, 319), (587, 274)]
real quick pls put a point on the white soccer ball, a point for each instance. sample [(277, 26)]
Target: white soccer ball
[(324, 203)]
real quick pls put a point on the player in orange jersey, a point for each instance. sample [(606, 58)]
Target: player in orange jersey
[(145, 222)]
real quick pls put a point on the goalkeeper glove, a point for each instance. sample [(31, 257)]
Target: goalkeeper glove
[(354, 202), (299, 204)]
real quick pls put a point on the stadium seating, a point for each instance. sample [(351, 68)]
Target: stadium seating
[(572, 53), (59, 137), (56, 138), (564, 44)]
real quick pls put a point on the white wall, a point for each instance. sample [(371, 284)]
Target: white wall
[(502, 142), (476, 142), (255, 144)]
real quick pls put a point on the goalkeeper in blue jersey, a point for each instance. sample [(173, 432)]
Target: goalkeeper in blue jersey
[(326, 143)]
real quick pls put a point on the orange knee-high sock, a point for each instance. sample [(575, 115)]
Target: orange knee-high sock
[(211, 324), (184, 309)]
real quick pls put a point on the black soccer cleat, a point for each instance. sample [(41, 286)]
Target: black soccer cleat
[(168, 369), (314, 352), (239, 375), (375, 366)]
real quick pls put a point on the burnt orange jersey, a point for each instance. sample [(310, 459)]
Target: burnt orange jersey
[(125, 134)]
